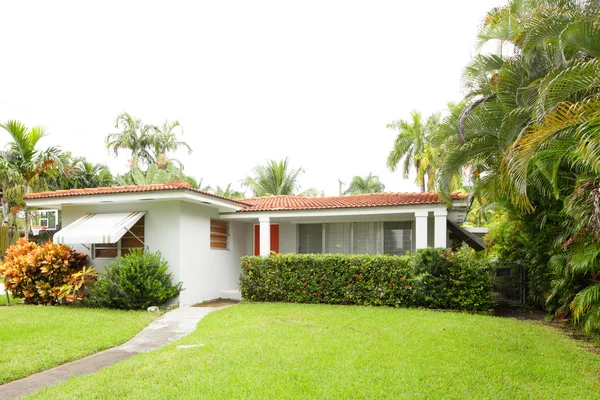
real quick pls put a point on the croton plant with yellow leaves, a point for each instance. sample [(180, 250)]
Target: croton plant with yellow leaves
[(47, 274)]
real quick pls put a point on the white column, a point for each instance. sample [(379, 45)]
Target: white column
[(265, 236), (420, 229), (441, 228)]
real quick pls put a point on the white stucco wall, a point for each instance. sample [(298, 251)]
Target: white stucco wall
[(161, 227), (208, 273), (181, 232)]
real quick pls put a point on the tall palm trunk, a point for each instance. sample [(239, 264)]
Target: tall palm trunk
[(4, 201), (26, 213)]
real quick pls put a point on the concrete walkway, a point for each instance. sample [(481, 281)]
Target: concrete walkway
[(164, 330)]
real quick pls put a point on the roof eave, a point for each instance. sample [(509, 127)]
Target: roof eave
[(159, 195), (329, 212)]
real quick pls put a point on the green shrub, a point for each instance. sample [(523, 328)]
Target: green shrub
[(37, 274), (433, 278), (136, 281)]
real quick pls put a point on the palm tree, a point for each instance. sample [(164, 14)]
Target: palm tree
[(368, 184), (163, 140), (89, 175), (412, 147), (10, 180), (149, 144), (152, 176), (28, 161), (529, 130), (276, 178), (155, 175), (135, 137), (195, 184), (228, 192)]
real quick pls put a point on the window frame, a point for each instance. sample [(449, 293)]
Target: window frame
[(381, 228), (96, 245), (119, 247)]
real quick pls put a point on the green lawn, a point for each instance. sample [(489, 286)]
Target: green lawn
[(273, 351), (35, 338), (3, 296)]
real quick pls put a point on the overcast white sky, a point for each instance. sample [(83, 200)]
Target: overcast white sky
[(315, 81)]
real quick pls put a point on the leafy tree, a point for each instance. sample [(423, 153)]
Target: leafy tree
[(79, 173), (529, 131), (155, 175), (414, 149), (228, 192), (28, 161), (152, 176), (135, 137), (197, 184), (149, 144), (88, 174), (276, 178), (368, 184), (10, 193), (164, 140)]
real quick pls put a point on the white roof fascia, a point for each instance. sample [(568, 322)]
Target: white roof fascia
[(334, 212), (460, 203), (134, 197), (476, 229)]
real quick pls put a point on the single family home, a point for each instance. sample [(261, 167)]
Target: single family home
[(203, 236)]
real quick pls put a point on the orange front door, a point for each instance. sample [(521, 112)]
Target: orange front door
[(274, 239)]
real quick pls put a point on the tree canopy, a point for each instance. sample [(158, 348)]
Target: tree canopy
[(276, 178), (367, 184)]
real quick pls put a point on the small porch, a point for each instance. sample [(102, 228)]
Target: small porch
[(357, 231)]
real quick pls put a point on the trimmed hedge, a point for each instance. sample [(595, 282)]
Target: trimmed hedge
[(431, 278)]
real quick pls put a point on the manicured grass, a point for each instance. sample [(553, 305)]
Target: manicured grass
[(3, 294), (273, 351), (35, 338), (3, 297)]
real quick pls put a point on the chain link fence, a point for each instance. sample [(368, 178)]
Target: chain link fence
[(509, 282)]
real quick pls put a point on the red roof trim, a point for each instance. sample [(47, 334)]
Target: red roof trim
[(177, 185), (298, 203), (270, 203)]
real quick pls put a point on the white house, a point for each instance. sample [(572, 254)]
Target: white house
[(203, 236)]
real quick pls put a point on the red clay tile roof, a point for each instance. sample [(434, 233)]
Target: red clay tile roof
[(291, 203), (176, 185), (270, 203)]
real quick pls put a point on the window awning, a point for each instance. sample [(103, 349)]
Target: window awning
[(472, 240), (98, 228)]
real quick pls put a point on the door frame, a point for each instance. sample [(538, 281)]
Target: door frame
[(254, 237)]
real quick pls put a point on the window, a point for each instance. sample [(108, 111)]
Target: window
[(371, 237), (397, 237), (106, 250), (219, 234), (132, 239), (367, 238), (310, 238), (338, 238)]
